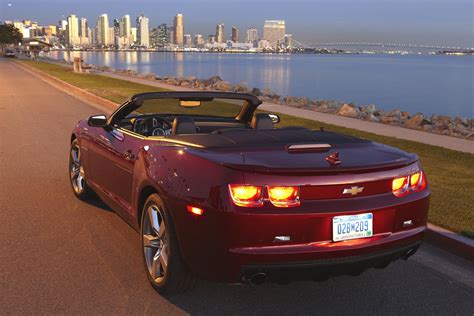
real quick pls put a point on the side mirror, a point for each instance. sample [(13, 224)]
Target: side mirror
[(275, 118), (97, 121)]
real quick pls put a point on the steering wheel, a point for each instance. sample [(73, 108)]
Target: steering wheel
[(152, 126)]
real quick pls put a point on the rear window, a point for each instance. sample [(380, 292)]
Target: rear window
[(216, 107)]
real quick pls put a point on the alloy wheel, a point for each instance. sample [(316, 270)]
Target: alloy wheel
[(76, 170), (155, 245)]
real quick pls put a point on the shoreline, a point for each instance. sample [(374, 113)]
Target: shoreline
[(458, 127)]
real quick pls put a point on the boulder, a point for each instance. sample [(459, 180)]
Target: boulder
[(242, 87), (394, 113), (256, 91), (369, 109), (222, 86), (213, 80), (349, 110), (298, 102), (328, 106), (372, 118), (415, 121)]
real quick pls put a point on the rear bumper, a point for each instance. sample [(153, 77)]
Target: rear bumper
[(325, 268)]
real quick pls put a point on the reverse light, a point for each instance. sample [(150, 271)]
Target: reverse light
[(246, 195), (284, 196), (195, 210)]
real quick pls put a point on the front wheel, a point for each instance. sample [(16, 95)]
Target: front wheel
[(76, 172), (164, 266)]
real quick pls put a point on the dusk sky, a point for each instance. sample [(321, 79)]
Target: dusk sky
[(438, 22)]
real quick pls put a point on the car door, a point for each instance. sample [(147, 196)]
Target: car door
[(112, 155)]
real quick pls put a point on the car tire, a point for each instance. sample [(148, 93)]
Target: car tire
[(164, 266), (76, 173)]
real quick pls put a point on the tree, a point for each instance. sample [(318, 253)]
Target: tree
[(9, 35)]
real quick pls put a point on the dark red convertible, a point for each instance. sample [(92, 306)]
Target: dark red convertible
[(218, 192)]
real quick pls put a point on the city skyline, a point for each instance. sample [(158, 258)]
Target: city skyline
[(419, 21)]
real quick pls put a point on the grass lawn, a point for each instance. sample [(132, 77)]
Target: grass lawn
[(450, 173)]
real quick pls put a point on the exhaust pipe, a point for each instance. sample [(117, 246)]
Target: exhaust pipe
[(258, 278)]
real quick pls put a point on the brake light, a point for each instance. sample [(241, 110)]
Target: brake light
[(400, 186), (284, 196), (246, 195), (417, 181), (413, 183)]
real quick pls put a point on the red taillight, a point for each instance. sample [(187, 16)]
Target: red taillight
[(195, 210), (246, 195), (412, 183), (284, 196)]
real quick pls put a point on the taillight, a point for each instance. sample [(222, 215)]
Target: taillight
[(400, 186), (246, 195), (412, 183), (284, 196), (417, 181)]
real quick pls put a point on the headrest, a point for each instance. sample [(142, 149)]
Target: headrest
[(184, 125), (262, 121)]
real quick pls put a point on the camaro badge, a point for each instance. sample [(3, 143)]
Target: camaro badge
[(353, 190)]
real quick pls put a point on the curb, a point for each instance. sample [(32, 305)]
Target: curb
[(450, 241), (435, 235), (78, 93)]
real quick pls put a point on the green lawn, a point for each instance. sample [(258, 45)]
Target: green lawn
[(450, 173)]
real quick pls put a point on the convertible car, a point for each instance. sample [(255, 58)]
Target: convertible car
[(218, 191)]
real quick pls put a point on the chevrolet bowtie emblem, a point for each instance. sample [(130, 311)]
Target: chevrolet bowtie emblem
[(353, 190)]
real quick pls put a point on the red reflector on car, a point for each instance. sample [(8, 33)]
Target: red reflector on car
[(284, 196), (195, 210), (246, 195)]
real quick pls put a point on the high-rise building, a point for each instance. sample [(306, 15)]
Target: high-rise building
[(220, 38), (211, 39), (235, 34), (133, 34), (50, 30), (179, 30), (103, 38), (83, 28), (274, 32), (171, 34), (288, 40), (125, 33), (198, 40), (163, 35), (143, 36), (252, 36), (72, 30), (188, 42)]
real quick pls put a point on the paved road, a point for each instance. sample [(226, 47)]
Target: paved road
[(59, 255)]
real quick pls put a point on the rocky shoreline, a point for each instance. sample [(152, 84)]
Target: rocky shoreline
[(439, 124)]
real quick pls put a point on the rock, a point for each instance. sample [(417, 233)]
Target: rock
[(405, 114), (327, 106), (171, 81), (150, 76), (372, 118), (348, 110), (270, 96), (369, 109), (221, 86), (415, 121), (394, 113), (212, 80), (190, 78), (185, 84), (256, 91), (297, 102), (242, 88)]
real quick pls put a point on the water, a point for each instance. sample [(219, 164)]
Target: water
[(415, 83)]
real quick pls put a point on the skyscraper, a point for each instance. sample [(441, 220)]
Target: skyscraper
[(274, 32), (125, 27), (220, 33), (252, 36), (103, 30), (235, 34), (143, 36), (72, 30), (179, 30), (211, 39), (198, 40), (83, 28), (188, 42)]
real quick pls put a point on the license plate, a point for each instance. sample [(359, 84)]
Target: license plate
[(352, 227)]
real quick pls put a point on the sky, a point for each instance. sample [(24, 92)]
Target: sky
[(429, 22)]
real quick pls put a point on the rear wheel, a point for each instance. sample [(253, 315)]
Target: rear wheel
[(164, 266), (76, 172)]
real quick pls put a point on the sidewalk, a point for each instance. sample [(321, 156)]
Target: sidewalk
[(449, 142)]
